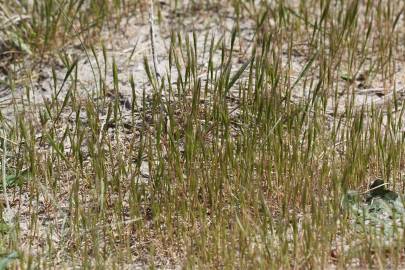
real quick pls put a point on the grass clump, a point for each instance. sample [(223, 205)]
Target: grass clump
[(236, 155)]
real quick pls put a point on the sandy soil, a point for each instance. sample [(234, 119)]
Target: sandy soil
[(127, 48)]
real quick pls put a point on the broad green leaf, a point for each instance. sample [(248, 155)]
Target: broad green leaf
[(6, 260)]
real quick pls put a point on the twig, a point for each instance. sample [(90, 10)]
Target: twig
[(374, 188), (152, 40), (8, 215), (163, 111), (3, 167)]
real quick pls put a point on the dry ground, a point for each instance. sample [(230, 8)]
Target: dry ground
[(65, 216)]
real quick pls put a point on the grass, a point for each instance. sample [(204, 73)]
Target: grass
[(238, 157)]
